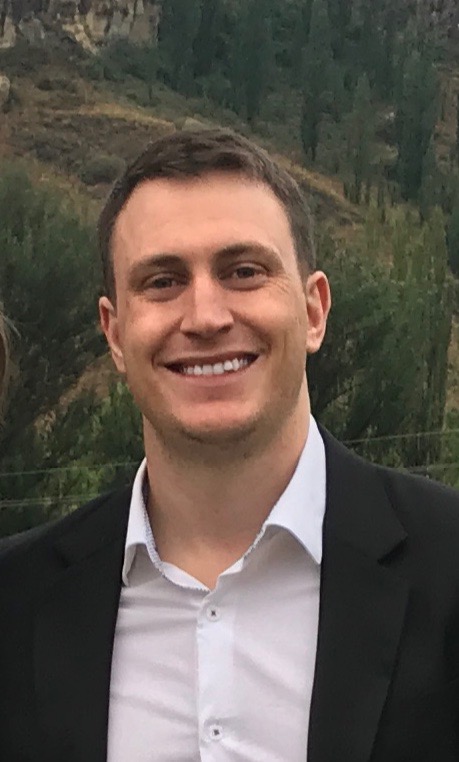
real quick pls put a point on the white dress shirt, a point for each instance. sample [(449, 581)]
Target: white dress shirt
[(221, 675)]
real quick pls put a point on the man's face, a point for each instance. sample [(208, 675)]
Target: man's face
[(212, 321)]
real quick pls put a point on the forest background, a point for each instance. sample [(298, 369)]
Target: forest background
[(358, 98)]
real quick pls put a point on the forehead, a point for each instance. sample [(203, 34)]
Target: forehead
[(215, 210)]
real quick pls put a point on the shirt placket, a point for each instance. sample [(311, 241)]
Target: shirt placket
[(215, 679)]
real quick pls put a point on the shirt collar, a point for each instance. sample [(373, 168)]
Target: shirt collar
[(300, 509), (136, 530)]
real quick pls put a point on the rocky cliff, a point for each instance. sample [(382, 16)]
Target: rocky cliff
[(89, 23), (441, 13)]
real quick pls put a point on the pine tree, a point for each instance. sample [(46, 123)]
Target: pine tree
[(340, 14), (386, 74), (258, 56), (457, 127), (251, 57), (299, 40), (360, 137), (318, 63), (377, 375), (452, 238), (429, 192), (416, 113), (178, 28), (206, 40), (237, 63)]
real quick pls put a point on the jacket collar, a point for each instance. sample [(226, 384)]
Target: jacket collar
[(74, 632), (362, 610)]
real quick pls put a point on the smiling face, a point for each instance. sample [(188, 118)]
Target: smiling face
[(212, 321)]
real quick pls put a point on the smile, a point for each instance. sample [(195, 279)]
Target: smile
[(220, 368)]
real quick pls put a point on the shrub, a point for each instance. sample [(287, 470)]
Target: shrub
[(101, 168), (57, 83)]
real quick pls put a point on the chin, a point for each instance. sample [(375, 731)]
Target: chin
[(219, 432)]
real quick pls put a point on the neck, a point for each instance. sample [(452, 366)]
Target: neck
[(205, 515)]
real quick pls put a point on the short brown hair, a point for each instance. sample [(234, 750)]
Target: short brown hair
[(194, 153)]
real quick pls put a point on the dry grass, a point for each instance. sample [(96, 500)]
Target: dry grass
[(61, 128)]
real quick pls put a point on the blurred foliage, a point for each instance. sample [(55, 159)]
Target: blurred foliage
[(101, 168), (383, 367), (48, 285)]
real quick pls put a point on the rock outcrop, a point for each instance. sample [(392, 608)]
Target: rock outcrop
[(92, 23), (443, 14), (89, 23)]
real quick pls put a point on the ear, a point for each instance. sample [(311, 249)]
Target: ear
[(318, 303), (110, 326)]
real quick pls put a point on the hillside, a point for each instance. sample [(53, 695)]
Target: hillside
[(61, 123)]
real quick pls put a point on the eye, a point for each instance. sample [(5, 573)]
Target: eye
[(246, 276), (246, 271), (162, 282), (163, 287)]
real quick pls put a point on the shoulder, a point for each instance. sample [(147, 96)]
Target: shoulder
[(411, 496), (371, 501), (40, 537), (429, 514), (420, 497)]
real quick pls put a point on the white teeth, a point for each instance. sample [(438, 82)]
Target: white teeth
[(218, 369)]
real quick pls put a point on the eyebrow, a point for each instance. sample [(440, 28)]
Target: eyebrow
[(170, 260)]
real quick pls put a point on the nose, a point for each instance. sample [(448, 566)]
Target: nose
[(206, 310)]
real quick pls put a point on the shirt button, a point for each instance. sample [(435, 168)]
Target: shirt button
[(213, 614), (215, 732)]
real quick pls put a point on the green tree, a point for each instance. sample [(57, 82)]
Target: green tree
[(340, 14), (386, 71), (251, 57), (258, 57), (457, 127), (416, 114), (360, 133), (205, 44), (452, 237), (300, 37), (429, 192), (179, 25), (371, 39), (382, 370), (49, 278), (318, 63)]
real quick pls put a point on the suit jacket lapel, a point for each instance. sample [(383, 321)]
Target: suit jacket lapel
[(361, 612), (74, 631)]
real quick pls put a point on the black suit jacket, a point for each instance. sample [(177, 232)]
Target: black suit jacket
[(386, 685)]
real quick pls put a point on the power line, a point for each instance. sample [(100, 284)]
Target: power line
[(74, 466), (385, 437), (131, 464), (47, 499), (42, 502)]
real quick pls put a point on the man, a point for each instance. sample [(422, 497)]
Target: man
[(259, 593)]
